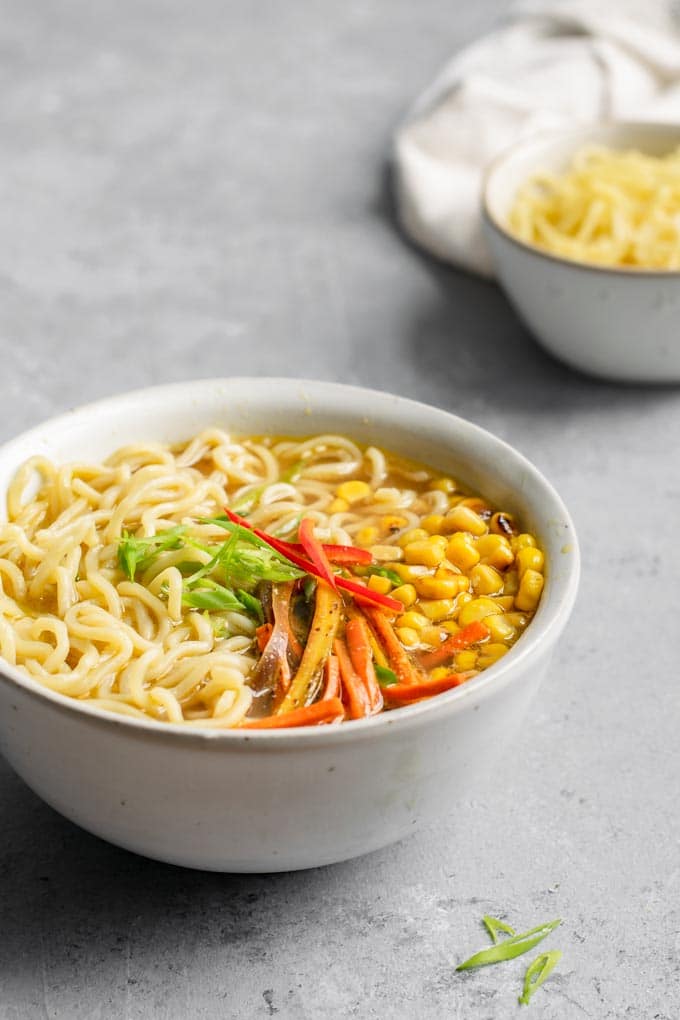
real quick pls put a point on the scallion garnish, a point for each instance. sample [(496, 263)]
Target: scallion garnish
[(386, 677), (511, 947), (136, 554), (537, 972), (494, 926)]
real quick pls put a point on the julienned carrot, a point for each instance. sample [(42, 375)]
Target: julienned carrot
[(305, 684), (470, 635), (368, 596), (332, 677), (426, 688), (328, 711), (396, 654), (263, 634), (361, 654), (312, 546), (356, 695)]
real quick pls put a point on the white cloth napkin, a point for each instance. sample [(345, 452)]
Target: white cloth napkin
[(554, 64)]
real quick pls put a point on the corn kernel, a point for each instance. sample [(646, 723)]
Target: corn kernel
[(393, 522), (366, 536), (506, 602), (406, 594), (338, 506), (439, 672), (412, 619), (386, 553), (431, 635), (382, 585), (408, 572), (491, 653), (433, 523), (522, 541), (408, 637), (529, 558), (353, 491), (467, 659), (477, 609), (463, 518), (430, 551), (500, 629), (463, 599), (450, 626), (436, 609), (412, 535), (447, 485), (510, 582), (441, 587), (461, 552), (495, 550), (485, 580), (516, 620), (503, 524), (477, 504), (530, 588)]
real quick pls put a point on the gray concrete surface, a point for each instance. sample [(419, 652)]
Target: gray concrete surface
[(189, 189)]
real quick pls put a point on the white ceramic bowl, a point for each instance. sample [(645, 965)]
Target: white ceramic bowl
[(273, 801), (611, 322)]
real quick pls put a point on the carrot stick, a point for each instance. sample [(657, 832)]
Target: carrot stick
[(396, 655), (358, 704), (319, 644), (312, 546), (470, 635), (425, 689), (320, 712), (361, 654), (372, 597), (332, 674), (263, 634)]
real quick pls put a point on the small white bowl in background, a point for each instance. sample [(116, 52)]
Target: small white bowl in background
[(618, 323), (287, 799)]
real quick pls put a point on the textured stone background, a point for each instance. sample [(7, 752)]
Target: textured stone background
[(195, 189)]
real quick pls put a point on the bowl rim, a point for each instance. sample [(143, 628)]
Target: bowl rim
[(534, 641), (555, 135)]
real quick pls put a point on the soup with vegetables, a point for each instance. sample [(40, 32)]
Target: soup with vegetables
[(258, 582)]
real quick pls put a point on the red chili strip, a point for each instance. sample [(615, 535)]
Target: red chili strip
[(312, 546)]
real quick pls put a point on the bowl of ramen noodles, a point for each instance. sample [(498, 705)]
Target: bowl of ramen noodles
[(269, 624), (584, 229)]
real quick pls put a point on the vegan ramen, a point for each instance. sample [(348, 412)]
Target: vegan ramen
[(257, 582)]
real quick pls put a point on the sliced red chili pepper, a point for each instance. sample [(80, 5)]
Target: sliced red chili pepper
[(314, 550)]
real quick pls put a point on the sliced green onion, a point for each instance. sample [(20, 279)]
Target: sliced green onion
[(511, 947), (494, 926), (537, 972), (386, 677), (391, 575), (252, 605)]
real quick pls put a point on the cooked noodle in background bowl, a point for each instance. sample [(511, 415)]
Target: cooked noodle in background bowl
[(83, 727)]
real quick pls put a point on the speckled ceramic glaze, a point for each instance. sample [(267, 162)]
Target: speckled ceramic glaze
[(272, 801), (616, 323)]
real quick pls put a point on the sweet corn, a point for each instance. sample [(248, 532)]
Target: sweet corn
[(353, 491), (522, 541), (480, 506), (530, 588), (485, 580), (441, 587), (366, 536), (495, 550), (477, 609), (449, 626), (503, 524), (386, 553), (491, 653), (447, 485), (464, 518), (516, 620), (412, 535), (405, 593), (461, 551), (506, 602), (467, 659), (338, 506), (500, 629), (529, 558), (433, 523), (439, 672), (436, 609), (431, 635), (408, 637), (382, 585), (408, 572), (412, 619), (510, 582), (430, 551), (393, 522)]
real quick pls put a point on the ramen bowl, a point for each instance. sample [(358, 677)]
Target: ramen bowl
[(614, 322), (253, 801)]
